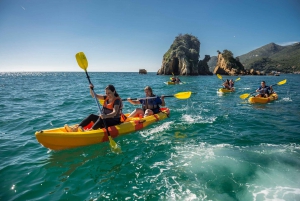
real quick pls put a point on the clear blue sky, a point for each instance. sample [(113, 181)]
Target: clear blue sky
[(126, 35)]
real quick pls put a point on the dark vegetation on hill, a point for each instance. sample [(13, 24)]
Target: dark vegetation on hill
[(273, 57)]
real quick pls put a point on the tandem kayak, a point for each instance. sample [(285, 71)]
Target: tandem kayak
[(59, 138), (222, 90), (272, 97)]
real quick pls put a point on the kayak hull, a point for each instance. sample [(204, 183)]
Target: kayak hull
[(271, 98), (59, 138), (172, 83), (222, 90)]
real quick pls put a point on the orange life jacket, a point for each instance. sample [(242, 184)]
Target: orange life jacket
[(110, 107)]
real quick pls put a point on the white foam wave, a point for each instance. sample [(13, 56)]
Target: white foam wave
[(273, 180), (158, 129), (198, 119), (287, 99)]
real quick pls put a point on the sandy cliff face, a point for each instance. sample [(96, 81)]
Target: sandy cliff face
[(232, 67)]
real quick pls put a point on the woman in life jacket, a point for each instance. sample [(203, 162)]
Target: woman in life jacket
[(111, 111), (264, 90), (226, 84), (150, 104)]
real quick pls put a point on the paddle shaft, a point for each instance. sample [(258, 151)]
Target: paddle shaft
[(166, 96), (95, 96), (145, 98)]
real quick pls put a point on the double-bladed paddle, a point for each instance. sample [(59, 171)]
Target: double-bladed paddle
[(83, 63), (180, 95), (244, 96), (220, 77)]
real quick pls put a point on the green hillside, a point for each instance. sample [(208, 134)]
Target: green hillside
[(273, 57)]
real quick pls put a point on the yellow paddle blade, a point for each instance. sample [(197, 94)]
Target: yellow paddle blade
[(101, 101), (237, 79), (81, 60), (113, 145), (281, 82), (183, 95), (243, 96), (219, 76)]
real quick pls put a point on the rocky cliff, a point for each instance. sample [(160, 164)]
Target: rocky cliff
[(203, 68), (182, 58), (142, 71), (227, 65)]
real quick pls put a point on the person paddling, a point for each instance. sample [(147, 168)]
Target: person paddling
[(177, 80), (231, 85), (226, 84), (112, 111), (264, 90), (150, 106)]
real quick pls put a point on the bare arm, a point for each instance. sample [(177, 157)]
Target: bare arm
[(134, 102), (101, 97), (112, 114)]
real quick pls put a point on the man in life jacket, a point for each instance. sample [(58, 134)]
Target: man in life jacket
[(264, 91), (150, 104)]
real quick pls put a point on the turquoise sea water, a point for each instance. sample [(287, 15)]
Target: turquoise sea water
[(213, 146)]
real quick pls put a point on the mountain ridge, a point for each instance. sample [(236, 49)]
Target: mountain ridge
[(270, 57)]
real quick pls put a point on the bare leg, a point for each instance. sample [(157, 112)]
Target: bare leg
[(148, 112), (137, 112)]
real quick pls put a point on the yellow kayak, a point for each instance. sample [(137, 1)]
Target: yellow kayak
[(222, 90), (173, 83), (272, 97), (59, 138)]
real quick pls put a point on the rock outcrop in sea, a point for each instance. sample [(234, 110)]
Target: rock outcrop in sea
[(203, 68), (183, 58), (142, 71), (227, 65)]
